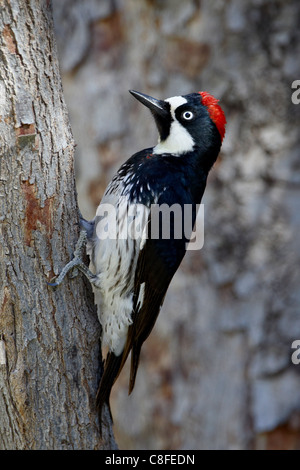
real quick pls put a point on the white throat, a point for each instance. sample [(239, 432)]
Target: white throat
[(179, 139)]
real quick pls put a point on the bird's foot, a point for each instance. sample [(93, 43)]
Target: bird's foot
[(76, 264)]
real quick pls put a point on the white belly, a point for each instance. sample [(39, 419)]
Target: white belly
[(114, 261)]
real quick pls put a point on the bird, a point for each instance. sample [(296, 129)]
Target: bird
[(130, 275)]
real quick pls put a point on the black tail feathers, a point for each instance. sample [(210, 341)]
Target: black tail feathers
[(112, 368), (135, 357), (111, 371)]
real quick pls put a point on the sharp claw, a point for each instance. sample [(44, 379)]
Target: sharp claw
[(76, 264), (74, 273)]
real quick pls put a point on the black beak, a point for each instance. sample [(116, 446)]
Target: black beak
[(160, 110)]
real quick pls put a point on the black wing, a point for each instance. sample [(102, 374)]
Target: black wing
[(157, 263), (152, 278)]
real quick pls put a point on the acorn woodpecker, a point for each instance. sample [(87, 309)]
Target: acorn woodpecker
[(132, 269)]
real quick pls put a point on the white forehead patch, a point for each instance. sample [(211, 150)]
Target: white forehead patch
[(175, 102), (179, 140)]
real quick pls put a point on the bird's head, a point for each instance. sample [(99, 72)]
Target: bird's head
[(186, 123)]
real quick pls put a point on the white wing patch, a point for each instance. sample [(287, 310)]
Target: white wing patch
[(179, 139), (141, 294)]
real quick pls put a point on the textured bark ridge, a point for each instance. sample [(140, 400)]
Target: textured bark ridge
[(49, 340)]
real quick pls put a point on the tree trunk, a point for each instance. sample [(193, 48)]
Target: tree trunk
[(49, 340)]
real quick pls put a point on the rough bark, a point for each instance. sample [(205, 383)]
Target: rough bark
[(216, 372), (49, 340)]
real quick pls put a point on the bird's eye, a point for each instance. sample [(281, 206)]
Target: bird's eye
[(187, 115)]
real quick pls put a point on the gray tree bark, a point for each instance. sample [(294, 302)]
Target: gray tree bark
[(49, 340)]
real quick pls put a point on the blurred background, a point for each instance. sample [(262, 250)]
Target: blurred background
[(216, 372)]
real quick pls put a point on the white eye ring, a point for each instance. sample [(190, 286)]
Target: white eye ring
[(188, 115)]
